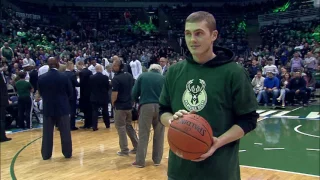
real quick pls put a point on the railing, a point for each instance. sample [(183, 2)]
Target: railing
[(283, 17)]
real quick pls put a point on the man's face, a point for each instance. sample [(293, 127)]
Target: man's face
[(115, 67), (270, 75), (163, 62), (254, 62), (258, 74), (199, 38)]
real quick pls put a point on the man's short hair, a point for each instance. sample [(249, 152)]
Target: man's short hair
[(203, 16)]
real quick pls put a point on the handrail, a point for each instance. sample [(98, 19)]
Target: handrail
[(290, 14)]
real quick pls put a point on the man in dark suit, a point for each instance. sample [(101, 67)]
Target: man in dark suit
[(4, 102), (99, 97), (73, 102), (85, 91), (56, 91)]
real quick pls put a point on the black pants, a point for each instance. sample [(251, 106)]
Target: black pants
[(87, 111), (95, 114), (47, 136), (2, 123), (25, 111), (292, 93), (73, 111)]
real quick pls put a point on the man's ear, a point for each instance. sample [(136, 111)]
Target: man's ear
[(214, 35)]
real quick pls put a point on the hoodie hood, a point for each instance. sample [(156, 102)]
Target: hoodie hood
[(223, 56)]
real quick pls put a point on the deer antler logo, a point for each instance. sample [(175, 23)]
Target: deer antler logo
[(195, 96)]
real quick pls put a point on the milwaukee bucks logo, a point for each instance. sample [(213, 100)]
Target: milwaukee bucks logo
[(195, 96)]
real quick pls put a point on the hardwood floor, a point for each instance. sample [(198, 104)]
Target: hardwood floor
[(94, 157)]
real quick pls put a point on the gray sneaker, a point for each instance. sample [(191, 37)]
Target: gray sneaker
[(119, 153)]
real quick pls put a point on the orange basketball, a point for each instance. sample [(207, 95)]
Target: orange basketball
[(190, 136)]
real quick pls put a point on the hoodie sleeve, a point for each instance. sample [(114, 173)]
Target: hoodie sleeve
[(165, 101), (244, 102)]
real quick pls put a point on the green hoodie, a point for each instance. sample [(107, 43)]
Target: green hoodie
[(221, 92)]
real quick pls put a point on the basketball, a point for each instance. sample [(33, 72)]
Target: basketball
[(190, 136)]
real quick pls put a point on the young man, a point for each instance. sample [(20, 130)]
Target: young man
[(211, 85)]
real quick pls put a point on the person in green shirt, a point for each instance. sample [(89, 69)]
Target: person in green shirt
[(148, 88), (24, 89), (213, 86)]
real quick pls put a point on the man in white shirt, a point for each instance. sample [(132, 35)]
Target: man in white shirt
[(136, 68), (310, 62), (257, 83), (92, 67), (270, 67), (29, 60)]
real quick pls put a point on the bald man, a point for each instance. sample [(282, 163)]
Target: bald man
[(99, 97), (56, 91)]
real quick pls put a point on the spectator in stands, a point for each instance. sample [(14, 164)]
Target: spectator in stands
[(283, 85), (296, 63), (254, 68), (258, 83), (270, 67), (297, 87), (310, 62), (25, 103), (7, 52), (29, 60), (148, 87), (271, 85), (310, 83)]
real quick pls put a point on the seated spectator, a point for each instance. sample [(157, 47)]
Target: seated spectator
[(310, 84), (283, 84), (270, 67), (254, 68), (257, 83), (297, 87), (271, 84), (296, 63)]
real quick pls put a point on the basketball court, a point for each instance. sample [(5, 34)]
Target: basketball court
[(285, 145)]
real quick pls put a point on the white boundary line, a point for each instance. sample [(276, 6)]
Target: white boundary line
[(296, 129), (279, 170)]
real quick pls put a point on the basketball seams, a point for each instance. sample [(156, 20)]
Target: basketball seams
[(209, 146), (184, 150)]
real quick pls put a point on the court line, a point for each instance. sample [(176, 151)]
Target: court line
[(13, 176), (253, 167), (296, 129)]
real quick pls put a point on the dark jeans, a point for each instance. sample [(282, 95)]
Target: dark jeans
[(302, 94)]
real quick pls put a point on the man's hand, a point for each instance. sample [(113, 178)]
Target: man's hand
[(269, 90), (179, 114), (297, 91), (9, 102), (213, 148)]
